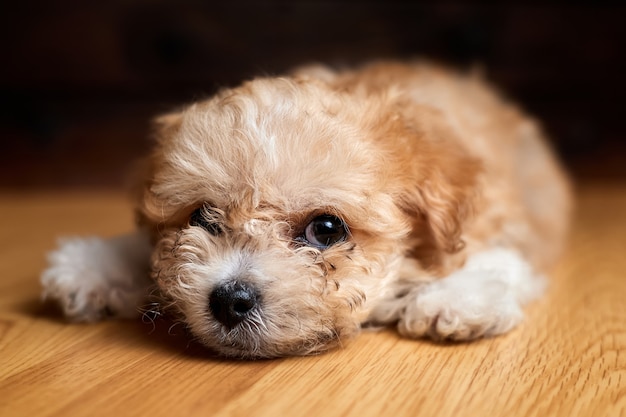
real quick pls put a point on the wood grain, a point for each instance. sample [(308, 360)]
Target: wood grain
[(567, 359)]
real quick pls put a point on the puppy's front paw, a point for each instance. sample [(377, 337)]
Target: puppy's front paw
[(461, 307), (93, 278)]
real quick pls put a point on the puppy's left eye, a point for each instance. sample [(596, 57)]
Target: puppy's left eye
[(202, 218), (325, 230)]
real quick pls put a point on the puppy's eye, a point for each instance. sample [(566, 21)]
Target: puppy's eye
[(325, 231), (203, 218)]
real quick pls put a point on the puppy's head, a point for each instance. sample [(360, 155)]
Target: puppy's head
[(281, 211)]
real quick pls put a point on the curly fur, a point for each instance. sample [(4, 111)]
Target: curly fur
[(454, 205)]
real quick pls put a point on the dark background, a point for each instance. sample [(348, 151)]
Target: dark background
[(79, 80)]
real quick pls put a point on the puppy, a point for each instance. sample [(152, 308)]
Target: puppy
[(280, 217)]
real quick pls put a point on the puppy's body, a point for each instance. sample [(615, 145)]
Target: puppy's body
[(287, 212)]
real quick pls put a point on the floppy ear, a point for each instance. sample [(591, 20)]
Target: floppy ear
[(442, 184), (146, 212)]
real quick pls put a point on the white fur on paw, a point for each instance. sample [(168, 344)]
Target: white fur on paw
[(94, 278), (463, 306)]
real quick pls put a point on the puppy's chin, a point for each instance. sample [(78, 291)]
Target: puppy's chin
[(249, 340)]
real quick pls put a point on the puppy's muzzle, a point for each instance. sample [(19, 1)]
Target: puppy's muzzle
[(230, 303)]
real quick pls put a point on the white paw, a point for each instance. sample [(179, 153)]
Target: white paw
[(94, 278), (463, 306)]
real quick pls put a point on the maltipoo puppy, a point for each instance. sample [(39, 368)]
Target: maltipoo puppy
[(280, 217)]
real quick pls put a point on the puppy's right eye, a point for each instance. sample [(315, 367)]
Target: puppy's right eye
[(203, 218), (324, 231)]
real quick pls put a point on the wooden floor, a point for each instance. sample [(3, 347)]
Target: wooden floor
[(567, 359)]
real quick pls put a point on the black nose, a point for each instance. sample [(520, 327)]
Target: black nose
[(230, 303)]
